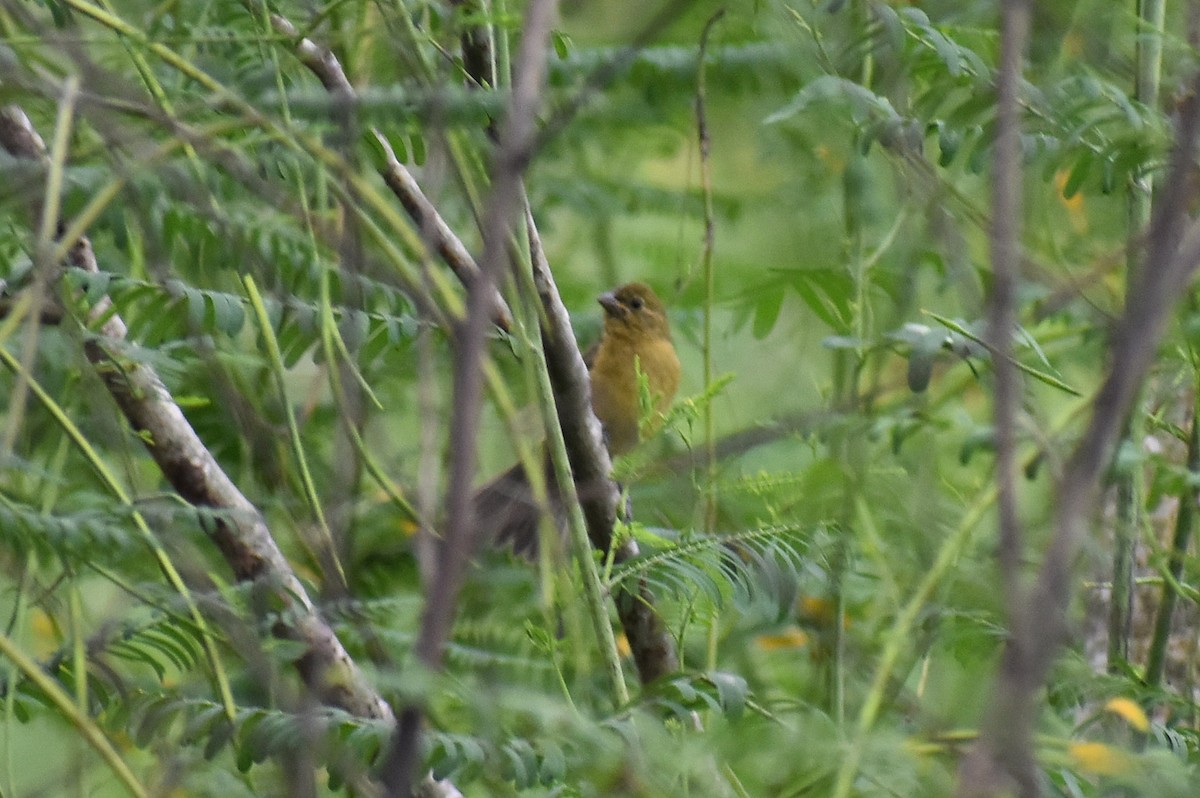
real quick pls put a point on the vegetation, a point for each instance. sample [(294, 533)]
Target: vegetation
[(919, 524)]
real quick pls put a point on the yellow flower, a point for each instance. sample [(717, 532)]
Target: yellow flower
[(791, 638), (1099, 759), (1130, 711)]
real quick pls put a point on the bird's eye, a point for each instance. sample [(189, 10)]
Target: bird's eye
[(636, 303)]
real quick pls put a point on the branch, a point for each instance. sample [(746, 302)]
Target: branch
[(513, 153), (1031, 649), (433, 228), (652, 647), (240, 532), (1008, 739), (1005, 246)]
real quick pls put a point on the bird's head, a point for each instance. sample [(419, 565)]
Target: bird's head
[(634, 309)]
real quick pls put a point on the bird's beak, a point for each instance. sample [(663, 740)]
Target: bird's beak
[(612, 307)]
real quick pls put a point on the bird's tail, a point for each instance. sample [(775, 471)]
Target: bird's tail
[(508, 514)]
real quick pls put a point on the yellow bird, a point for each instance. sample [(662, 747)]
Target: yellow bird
[(636, 337)]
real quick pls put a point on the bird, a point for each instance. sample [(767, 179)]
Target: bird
[(636, 337)]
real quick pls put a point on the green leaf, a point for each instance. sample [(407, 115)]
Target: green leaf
[(920, 368), (229, 315), (863, 103), (828, 293), (842, 342), (562, 44), (1079, 173), (418, 148), (766, 312), (732, 690), (949, 142)]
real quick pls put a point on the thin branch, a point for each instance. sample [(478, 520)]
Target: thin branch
[(240, 532), (1130, 487), (1005, 246), (1033, 646), (1009, 741), (434, 230), (517, 135)]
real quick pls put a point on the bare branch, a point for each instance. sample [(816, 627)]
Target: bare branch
[(514, 150), (239, 531), (1006, 739), (433, 228), (652, 647), (1172, 255)]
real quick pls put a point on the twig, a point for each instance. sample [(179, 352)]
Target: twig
[(706, 265), (1010, 741), (512, 156), (240, 532), (1029, 653), (433, 228)]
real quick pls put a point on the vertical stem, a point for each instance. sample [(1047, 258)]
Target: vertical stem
[(1152, 16), (79, 665), (1005, 252), (710, 435), (1125, 530), (580, 543), (1129, 485), (705, 143), (847, 369), (1184, 521), (1003, 762)]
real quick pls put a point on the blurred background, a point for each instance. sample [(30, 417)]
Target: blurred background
[(852, 487)]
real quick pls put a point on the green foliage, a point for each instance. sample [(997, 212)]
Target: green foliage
[(841, 604)]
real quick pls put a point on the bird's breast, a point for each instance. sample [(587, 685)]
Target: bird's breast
[(615, 395)]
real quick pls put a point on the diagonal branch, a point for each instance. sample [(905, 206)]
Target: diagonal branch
[(516, 139), (652, 646), (239, 531), (433, 228), (1172, 255), (650, 643)]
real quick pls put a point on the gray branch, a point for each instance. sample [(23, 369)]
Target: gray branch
[(994, 767), (432, 227), (239, 530)]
